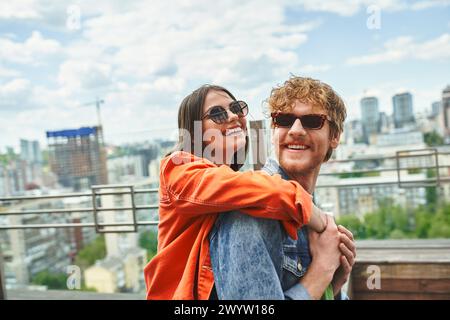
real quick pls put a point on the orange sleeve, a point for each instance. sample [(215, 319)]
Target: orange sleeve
[(197, 186)]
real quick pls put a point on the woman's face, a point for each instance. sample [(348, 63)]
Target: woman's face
[(222, 141)]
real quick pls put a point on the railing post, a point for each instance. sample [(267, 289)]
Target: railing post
[(2, 277)]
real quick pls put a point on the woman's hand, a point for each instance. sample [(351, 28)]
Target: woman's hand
[(348, 254)]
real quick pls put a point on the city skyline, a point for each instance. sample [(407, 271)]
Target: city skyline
[(142, 63)]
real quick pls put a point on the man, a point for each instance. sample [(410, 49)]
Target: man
[(254, 258)]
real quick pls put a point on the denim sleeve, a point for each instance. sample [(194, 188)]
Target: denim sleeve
[(247, 256), (342, 296), (297, 292)]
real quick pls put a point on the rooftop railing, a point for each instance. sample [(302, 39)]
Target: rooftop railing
[(8, 205)]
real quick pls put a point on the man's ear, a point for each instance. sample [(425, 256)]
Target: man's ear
[(335, 140)]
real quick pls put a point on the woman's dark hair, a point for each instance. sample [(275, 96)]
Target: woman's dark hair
[(191, 110)]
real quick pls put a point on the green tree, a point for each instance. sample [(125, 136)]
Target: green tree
[(422, 218), (92, 252), (431, 192), (51, 280), (440, 224), (433, 139), (149, 241), (354, 224)]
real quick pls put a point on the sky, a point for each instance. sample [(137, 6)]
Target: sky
[(143, 57)]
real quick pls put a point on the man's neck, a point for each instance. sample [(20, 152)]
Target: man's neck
[(307, 180)]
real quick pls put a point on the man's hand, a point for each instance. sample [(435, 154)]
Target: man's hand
[(325, 253), (347, 259)]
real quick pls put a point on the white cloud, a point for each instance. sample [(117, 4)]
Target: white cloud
[(8, 73), (352, 7), (421, 5), (15, 94), (309, 68), (143, 57), (14, 86), (23, 9), (77, 75), (406, 48), (31, 51)]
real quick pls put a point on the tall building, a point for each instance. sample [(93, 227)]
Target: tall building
[(435, 108), (403, 110), (78, 157), (385, 122), (354, 132), (30, 151), (445, 109), (370, 115), (31, 157)]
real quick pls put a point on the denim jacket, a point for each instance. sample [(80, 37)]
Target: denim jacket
[(254, 258)]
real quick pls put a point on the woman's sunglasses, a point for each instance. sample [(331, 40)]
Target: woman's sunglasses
[(309, 121), (219, 114)]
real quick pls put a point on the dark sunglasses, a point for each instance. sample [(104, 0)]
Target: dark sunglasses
[(309, 121), (219, 114)]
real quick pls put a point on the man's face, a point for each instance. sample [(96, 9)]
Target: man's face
[(299, 150)]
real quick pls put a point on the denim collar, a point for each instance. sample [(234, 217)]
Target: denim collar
[(273, 167)]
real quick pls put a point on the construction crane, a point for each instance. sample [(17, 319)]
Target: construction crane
[(97, 103)]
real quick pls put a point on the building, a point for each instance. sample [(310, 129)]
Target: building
[(78, 157), (370, 116), (343, 191), (403, 110), (445, 109), (126, 168), (354, 132), (385, 122), (30, 151), (121, 270), (435, 108), (132, 163), (106, 276), (114, 274), (30, 251), (14, 177), (401, 137), (361, 195)]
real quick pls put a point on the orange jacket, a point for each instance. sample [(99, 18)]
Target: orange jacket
[(192, 191)]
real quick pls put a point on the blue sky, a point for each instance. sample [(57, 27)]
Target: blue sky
[(143, 57)]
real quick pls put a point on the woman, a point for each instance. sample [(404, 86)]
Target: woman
[(199, 180)]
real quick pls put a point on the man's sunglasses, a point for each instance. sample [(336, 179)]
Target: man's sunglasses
[(219, 114), (309, 121)]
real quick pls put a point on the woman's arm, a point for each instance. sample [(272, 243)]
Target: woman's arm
[(197, 186)]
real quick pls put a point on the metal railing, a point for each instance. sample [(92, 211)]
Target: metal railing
[(112, 190), (434, 181), (2, 277), (96, 191), (95, 209)]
